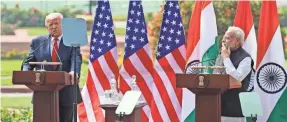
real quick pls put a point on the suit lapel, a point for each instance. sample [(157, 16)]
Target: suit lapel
[(48, 51), (61, 49)]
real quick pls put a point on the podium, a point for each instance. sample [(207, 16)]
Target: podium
[(207, 89), (46, 86), (110, 115)]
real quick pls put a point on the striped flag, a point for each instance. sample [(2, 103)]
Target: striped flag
[(137, 58), (102, 64), (201, 45), (244, 20), (271, 71), (170, 59)]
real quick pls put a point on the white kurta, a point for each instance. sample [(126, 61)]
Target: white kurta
[(242, 70)]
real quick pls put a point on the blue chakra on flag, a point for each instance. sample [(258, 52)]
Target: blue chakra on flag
[(190, 70), (271, 78), (252, 80)]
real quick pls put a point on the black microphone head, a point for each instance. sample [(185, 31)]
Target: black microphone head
[(31, 52)]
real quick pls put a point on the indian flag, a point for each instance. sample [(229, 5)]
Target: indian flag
[(244, 20), (271, 73), (201, 46)]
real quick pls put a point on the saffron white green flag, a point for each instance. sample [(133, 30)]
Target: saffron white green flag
[(270, 71), (244, 20), (201, 46)]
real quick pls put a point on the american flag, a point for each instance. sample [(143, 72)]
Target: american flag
[(102, 64), (137, 58), (170, 59)]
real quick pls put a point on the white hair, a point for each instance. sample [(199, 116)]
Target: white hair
[(52, 16), (237, 32)]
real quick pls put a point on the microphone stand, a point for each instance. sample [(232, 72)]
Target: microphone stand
[(77, 37), (195, 63), (74, 47), (22, 64)]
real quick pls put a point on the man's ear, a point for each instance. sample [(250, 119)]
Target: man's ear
[(238, 42)]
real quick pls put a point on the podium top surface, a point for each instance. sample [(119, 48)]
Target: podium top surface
[(139, 105), (216, 81), (41, 78)]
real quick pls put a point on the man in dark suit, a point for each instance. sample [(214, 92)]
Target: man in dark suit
[(50, 48)]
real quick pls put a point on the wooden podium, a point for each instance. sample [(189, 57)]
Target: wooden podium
[(207, 89), (46, 86), (110, 115)]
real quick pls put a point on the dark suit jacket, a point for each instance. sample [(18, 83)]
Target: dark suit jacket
[(40, 51)]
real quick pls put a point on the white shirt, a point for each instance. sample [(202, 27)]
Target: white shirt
[(242, 70), (52, 43)]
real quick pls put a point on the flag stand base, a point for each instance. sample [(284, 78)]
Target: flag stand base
[(120, 117), (254, 118)]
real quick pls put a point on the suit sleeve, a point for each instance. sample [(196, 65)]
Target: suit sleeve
[(78, 61), (31, 58)]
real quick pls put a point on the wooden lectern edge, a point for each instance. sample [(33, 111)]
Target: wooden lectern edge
[(67, 82), (233, 83), (207, 67), (141, 104), (235, 86), (46, 63)]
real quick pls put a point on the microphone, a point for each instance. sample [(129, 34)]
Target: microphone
[(213, 59), (33, 52), (194, 63), (218, 61)]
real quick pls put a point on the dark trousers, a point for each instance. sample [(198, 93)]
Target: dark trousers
[(66, 113)]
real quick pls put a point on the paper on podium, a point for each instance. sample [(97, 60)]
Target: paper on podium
[(128, 102), (74, 31), (250, 104)]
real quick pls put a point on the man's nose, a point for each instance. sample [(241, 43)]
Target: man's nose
[(54, 26)]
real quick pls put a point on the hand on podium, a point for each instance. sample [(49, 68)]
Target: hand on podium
[(72, 76), (234, 83)]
